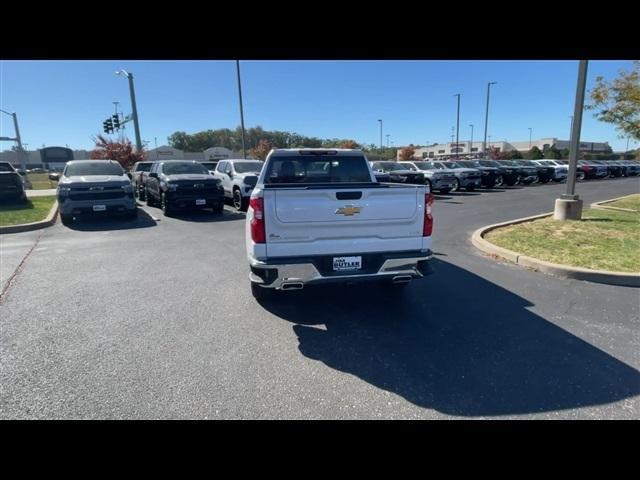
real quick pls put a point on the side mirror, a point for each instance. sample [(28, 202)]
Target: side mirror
[(153, 175), (230, 174), (129, 175)]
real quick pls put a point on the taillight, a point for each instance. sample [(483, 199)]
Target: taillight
[(427, 226), (257, 221)]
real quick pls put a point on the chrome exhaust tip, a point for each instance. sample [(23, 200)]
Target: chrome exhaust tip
[(293, 286), (402, 279)]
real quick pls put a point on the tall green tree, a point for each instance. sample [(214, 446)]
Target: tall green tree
[(553, 153), (618, 102), (534, 153)]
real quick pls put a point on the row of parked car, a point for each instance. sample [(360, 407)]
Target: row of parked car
[(89, 186), (449, 176)]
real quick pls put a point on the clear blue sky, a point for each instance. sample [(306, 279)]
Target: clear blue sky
[(65, 102)]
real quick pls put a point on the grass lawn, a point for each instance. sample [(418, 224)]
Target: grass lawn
[(36, 209), (632, 202), (40, 181), (602, 240)]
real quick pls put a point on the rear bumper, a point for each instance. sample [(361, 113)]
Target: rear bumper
[(281, 272)]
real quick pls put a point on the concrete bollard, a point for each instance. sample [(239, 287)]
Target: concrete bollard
[(566, 209)]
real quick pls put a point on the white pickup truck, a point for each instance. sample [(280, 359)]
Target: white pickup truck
[(318, 215)]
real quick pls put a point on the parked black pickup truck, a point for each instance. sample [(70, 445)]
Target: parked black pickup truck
[(12, 188), (489, 174), (545, 174), (138, 178), (507, 175), (181, 184), (398, 173), (526, 175)]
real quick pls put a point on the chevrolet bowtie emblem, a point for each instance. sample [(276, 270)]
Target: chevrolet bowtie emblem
[(348, 210)]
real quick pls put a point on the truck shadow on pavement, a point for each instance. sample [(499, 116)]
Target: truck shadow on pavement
[(456, 343), (99, 223), (206, 216)]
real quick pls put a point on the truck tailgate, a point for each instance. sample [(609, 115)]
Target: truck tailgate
[(316, 221)]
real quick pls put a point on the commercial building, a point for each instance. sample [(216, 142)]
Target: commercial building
[(467, 150)]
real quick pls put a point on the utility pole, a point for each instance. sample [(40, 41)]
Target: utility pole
[(134, 108), (244, 151), (569, 205), (471, 146), (380, 138), (21, 154), (458, 127), (486, 121)]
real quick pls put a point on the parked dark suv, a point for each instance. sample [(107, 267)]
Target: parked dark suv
[(12, 188), (182, 184)]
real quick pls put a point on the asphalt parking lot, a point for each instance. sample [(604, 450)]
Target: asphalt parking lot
[(155, 319)]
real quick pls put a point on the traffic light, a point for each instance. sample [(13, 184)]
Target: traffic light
[(107, 125), (116, 121)]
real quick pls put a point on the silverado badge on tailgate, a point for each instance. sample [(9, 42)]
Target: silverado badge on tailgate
[(348, 210)]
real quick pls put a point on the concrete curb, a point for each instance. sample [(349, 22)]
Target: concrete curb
[(602, 206), (566, 271), (26, 227)]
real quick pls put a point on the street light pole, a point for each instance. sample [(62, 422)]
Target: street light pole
[(457, 126), (134, 108), (21, 153), (244, 151), (569, 205), (380, 138), (471, 146), (486, 121)]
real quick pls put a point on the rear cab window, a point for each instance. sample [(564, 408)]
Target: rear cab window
[(313, 168)]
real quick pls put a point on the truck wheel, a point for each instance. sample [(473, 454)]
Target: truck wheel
[(66, 219), (499, 181), (219, 208), (456, 185), (581, 176), (260, 293), (166, 206), (238, 201)]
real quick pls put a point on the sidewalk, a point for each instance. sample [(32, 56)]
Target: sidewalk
[(41, 193)]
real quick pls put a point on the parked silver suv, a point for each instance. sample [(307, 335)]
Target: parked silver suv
[(95, 186)]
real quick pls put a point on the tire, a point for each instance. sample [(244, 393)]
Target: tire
[(456, 185), (444, 191), (260, 293), (239, 202), (581, 176), (499, 181), (166, 206), (66, 219), (470, 188), (218, 209), (150, 200)]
